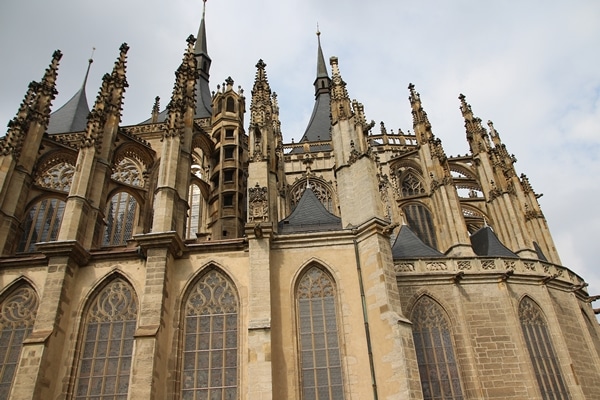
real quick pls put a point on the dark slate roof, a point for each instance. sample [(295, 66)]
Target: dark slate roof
[(309, 216), (408, 245), (318, 126), (485, 243), (539, 252), (72, 116), (320, 120)]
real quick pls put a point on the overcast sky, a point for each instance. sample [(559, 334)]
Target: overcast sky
[(532, 67)]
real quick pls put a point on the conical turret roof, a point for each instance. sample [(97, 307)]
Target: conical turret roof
[(72, 116), (320, 121)]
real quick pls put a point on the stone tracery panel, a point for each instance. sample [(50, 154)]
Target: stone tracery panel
[(319, 187)]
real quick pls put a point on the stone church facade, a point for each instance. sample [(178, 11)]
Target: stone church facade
[(196, 255)]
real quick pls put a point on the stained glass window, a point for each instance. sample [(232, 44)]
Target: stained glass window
[(419, 219), (435, 351), (194, 212), (541, 352), (17, 316), (105, 359), (41, 224), (120, 219), (210, 340), (320, 359)]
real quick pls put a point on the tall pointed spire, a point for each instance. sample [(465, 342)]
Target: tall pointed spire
[(319, 123), (72, 116), (204, 102)]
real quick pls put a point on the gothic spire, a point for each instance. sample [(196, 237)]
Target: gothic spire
[(476, 133), (261, 105), (72, 116), (204, 102), (320, 121)]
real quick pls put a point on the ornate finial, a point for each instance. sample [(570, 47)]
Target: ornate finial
[(191, 40), (261, 64), (91, 60), (318, 31)]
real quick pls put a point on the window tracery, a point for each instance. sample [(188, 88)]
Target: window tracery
[(104, 363), (128, 171), (320, 189), (210, 340), (539, 345), (120, 219), (435, 352), (58, 177), (41, 223), (411, 185), (320, 359), (17, 316)]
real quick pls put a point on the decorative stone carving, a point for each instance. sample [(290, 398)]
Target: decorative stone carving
[(404, 267), (258, 205)]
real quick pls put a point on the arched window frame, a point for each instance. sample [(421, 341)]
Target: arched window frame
[(195, 204), (322, 190), (538, 340), (195, 352), (435, 348), (117, 233), (332, 369), (41, 223), (420, 219), (102, 367), (18, 309)]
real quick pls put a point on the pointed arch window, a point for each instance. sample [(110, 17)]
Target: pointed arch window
[(539, 345), (320, 359), (18, 311), (435, 351), (210, 339), (104, 363), (194, 212), (230, 105), (420, 221), (41, 224), (120, 219)]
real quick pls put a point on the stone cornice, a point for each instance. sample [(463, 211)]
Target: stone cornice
[(169, 240), (66, 248)]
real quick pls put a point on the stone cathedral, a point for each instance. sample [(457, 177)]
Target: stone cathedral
[(195, 255)]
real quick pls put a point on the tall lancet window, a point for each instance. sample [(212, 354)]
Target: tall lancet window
[(435, 351), (17, 315), (541, 352), (41, 223), (105, 354), (210, 339), (420, 221), (320, 359), (120, 219), (194, 212)]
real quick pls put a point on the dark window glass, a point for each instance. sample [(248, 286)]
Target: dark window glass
[(41, 224), (120, 219), (230, 107), (420, 221), (320, 359), (435, 352), (105, 356), (17, 316), (541, 352), (210, 340)]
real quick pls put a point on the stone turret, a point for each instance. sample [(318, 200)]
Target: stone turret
[(227, 198)]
